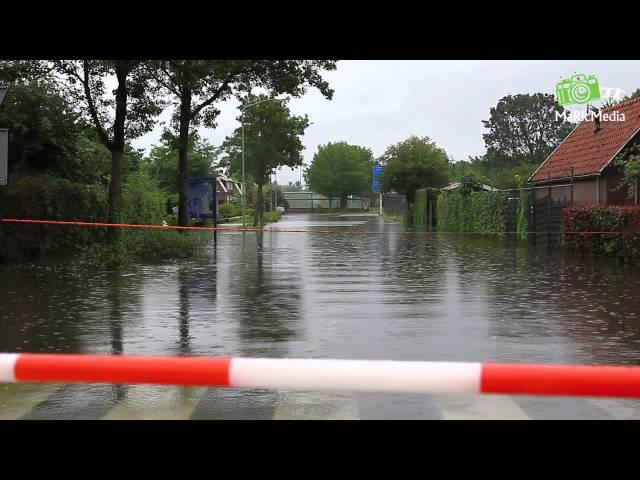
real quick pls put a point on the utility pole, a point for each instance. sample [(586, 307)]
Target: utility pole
[(271, 194)]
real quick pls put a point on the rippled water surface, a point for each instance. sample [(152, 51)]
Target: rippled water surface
[(348, 287)]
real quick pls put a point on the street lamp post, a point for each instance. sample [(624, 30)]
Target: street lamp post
[(271, 193), (244, 185)]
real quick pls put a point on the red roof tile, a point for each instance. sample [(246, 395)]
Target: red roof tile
[(588, 152)]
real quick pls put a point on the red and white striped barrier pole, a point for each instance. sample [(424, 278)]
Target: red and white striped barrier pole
[(310, 374)]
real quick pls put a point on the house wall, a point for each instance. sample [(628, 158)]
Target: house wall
[(584, 193)]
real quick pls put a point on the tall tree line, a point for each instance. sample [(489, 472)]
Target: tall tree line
[(144, 88)]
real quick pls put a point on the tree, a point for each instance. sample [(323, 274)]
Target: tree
[(163, 161), (293, 187), (198, 85), (633, 95), (275, 195), (124, 115), (629, 160), (272, 140), (414, 164), (339, 170), (45, 132), (462, 168), (523, 129)]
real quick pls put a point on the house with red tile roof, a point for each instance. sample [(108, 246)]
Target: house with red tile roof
[(585, 158)]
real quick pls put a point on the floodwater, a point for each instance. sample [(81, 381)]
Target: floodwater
[(330, 292)]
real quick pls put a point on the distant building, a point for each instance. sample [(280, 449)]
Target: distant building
[(456, 185), (305, 202), (226, 189)]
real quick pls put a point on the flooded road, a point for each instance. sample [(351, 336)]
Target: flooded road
[(381, 294)]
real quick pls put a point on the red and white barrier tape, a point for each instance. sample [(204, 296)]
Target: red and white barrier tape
[(328, 375), (298, 230), (135, 225)]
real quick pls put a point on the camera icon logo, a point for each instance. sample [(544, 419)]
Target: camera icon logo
[(579, 89)]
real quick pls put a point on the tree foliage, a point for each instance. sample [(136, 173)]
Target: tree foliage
[(629, 160), (413, 164), (272, 140), (523, 129), (635, 94), (199, 85), (47, 136), (163, 161), (293, 187), (117, 116), (339, 170)]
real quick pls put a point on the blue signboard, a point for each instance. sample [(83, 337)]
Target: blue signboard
[(202, 198), (377, 170)]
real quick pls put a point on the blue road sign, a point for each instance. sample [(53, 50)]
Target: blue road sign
[(202, 198), (377, 170)]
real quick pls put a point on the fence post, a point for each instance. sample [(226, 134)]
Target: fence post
[(572, 187), (549, 210), (531, 224)]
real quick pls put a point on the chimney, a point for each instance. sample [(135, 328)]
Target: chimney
[(596, 117)]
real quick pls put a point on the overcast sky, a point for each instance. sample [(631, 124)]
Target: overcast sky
[(378, 103)]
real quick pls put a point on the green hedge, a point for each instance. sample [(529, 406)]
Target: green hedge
[(47, 198), (483, 212), (420, 209), (50, 198)]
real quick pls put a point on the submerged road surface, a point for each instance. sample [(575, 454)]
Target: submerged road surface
[(382, 294)]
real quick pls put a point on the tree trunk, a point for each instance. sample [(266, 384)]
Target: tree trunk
[(183, 160), (343, 201), (122, 70), (257, 215)]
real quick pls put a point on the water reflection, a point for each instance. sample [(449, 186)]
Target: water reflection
[(266, 296), (183, 308)]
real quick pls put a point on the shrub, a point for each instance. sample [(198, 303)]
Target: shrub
[(145, 244), (585, 230), (226, 211), (47, 198), (270, 217), (142, 201)]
